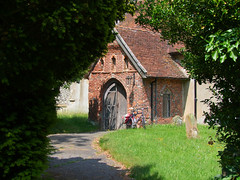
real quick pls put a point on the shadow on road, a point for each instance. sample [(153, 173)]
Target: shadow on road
[(76, 159), (79, 168), (77, 140)]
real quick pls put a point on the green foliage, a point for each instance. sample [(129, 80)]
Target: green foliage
[(164, 152), (224, 45), (42, 44), (210, 33), (24, 123)]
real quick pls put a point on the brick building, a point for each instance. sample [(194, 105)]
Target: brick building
[(139, 70)]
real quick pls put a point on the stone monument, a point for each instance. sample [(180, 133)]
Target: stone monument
[(177, 120), (191, 126)]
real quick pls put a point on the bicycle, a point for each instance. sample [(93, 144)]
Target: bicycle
[(132, 120)]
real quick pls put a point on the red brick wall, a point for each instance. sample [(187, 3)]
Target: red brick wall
[(138, 90)]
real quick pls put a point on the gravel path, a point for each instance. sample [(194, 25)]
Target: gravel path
[(76, 159)]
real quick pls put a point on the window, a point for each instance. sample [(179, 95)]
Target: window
[(125, 63), (113, 63), (102, 64), (166, 105)]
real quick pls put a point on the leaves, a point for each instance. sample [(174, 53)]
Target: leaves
[(210, 31), (215, 55), (223, 58), (43, 44), (224, 45), (234, 55)]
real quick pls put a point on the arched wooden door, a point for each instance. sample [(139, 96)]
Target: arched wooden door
[(114, 106)]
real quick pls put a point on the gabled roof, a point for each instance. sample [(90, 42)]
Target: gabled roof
[(149, 54), (141, 70)]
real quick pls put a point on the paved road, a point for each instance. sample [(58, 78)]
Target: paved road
[(76, 159)]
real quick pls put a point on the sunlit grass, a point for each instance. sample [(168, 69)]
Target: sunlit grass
[(73, 123), (164, 152)]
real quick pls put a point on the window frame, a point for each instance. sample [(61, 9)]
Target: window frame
[(126, 63), (102, 64), (166, 105), (113, 63)]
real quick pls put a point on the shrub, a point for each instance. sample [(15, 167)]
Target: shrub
[(42, 44)]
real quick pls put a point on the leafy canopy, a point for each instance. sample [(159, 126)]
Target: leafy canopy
[(42, 44), (210, 31)]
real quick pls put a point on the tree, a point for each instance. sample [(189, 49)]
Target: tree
[(210, 31), (42, 44)]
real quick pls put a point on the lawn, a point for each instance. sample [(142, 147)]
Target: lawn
[(73, 123), (164, 152)]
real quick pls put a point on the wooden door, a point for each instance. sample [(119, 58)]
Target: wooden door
[(115, 106)]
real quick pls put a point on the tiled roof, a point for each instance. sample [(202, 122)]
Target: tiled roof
[(151, 51)]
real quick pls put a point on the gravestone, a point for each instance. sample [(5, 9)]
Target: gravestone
[(177, 120), (191, 126)]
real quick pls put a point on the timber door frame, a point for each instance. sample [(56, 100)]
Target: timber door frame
[(114, 105)]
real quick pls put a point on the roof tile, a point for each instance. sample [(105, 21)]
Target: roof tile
[(152, 52)]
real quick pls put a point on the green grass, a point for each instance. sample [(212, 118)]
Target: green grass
[(164, 152), (73, 123)]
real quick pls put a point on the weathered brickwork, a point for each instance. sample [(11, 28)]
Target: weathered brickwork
[(128, 77), (175, 88), (157, 91), (153, 77), (140, 92)]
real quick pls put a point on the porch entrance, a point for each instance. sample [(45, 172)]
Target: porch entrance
[(114, 106)]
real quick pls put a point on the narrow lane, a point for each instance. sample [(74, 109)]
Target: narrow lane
[(76, 159)]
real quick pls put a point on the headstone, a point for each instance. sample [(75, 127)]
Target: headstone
[(191, 126), (177, 120)]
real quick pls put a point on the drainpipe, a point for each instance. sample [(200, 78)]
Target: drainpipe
[(152, 102), (195, 98)]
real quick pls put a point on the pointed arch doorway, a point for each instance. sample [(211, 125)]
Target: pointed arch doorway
[(114, 105)]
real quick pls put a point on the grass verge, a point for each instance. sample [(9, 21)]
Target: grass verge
[(164, 152), (73, 123)]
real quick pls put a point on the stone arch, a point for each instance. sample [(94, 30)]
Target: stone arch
[(114, 104), (165, 90)]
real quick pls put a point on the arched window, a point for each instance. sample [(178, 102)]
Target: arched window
[(102, 64), (166, 104), (113, 63), (125, 63)]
